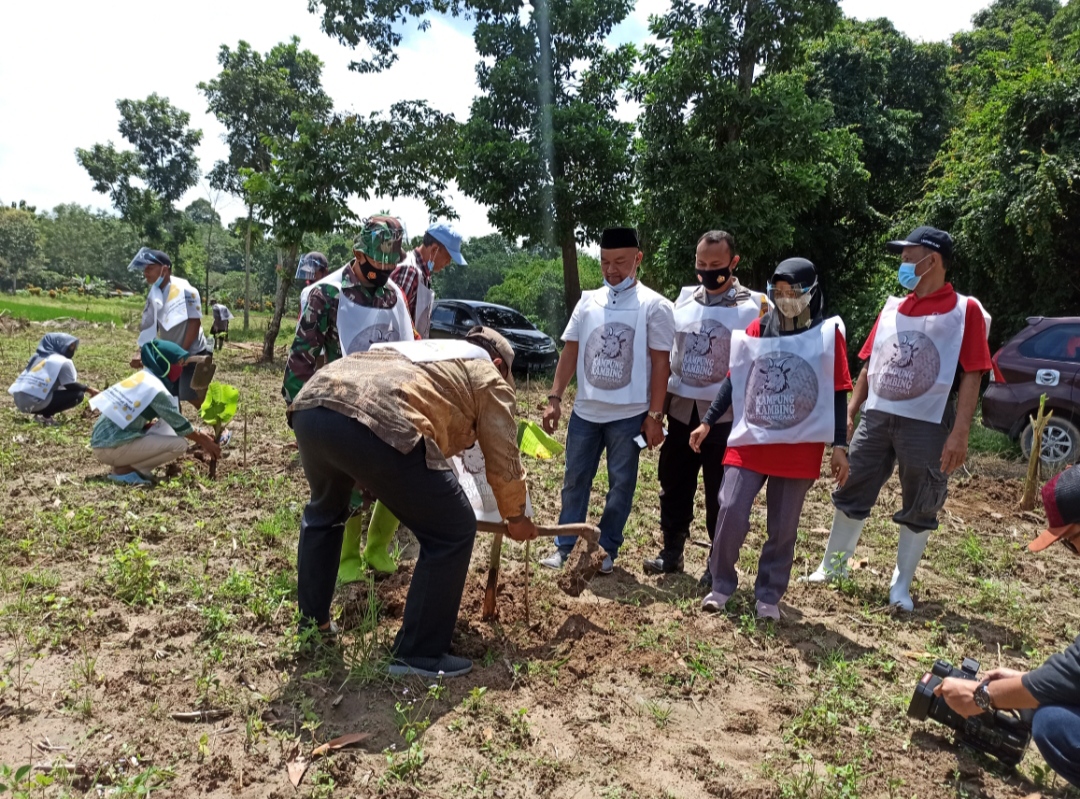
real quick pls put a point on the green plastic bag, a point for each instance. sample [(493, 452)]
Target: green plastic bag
[(532, 440)]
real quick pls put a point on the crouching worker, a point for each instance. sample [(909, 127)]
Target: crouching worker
[(386, 420), (140, 426), (788, 389), (47, 386), (1053, 688)]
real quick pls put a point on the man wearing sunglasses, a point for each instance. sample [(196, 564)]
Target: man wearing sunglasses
[(1053, 688)]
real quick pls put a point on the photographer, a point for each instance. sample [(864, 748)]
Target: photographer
[(1054, 687)]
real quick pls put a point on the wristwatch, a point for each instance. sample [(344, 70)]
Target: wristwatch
[(982, 697), (657, 416)]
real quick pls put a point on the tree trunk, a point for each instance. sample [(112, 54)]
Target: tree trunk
[(206, 296), (284, 284), (571, 279), (247, 273)]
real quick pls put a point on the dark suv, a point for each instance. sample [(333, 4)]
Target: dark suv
[(534, 351), (1043, 358)]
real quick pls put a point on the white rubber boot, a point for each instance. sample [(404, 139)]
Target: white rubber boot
[(842, 542), (908, 554)]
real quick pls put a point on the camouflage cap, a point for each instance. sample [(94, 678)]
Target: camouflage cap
[(380, 240)]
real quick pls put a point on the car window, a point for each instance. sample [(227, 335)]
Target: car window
[(463, 317), (443, 314), (1058, 343), (491, 316)]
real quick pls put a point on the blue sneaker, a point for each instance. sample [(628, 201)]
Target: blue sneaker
[(131, 478)]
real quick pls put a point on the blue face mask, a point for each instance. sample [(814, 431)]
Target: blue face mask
[(431, 265), (159, 281), (906, 275), (623, 285)]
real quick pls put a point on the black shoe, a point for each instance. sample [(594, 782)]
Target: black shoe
[(662, 565), (442, 666), (706, 580)]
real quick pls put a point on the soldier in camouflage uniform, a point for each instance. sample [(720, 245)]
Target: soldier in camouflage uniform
[(364, 282)]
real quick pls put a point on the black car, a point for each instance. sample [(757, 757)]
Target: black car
[(533, 351)]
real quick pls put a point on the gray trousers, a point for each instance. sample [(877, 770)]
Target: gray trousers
[(784, 501), (884, 439)]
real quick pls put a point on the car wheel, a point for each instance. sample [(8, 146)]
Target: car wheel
[(1060, 442)]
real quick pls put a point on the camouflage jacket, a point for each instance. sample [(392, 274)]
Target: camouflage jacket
[(316, 330)]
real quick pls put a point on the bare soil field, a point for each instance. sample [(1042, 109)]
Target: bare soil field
[(148, 644)]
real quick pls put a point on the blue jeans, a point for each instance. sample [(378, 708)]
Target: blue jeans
[(584, 443), (1056, 731)]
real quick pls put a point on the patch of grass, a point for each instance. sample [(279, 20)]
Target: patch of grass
[(985, 441), (134, 576)]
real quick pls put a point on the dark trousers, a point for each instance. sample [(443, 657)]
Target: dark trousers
[(337, 453), (63, 399), (678, 471), (1056, 731)]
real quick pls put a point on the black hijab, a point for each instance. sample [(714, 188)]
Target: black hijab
[(802, 272)]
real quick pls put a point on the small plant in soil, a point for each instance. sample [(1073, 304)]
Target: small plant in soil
[(134, 576), (218, 409)]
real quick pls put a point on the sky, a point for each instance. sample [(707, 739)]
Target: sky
[(63, 65)]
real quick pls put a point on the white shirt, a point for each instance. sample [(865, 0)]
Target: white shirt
[(660, 335)]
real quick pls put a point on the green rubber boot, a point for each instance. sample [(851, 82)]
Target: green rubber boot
[(351, 564), (380, 532)]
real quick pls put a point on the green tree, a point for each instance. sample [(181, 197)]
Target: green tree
[(532, 285), (259, 100), (20, 244), (489, 257), (78, 241), (1007, 181), (543, 148), (313, 175), (145, 183), (894, 95), (729, 136)]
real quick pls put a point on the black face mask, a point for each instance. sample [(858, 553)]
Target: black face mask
[(377, 277), (712, 279)]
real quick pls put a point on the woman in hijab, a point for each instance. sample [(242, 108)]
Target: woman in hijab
[(48, 385), (140, 426), (788, 387)]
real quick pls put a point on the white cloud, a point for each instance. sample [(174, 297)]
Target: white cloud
[(64, 64)]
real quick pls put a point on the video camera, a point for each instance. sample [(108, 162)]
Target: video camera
[(1001, 733)]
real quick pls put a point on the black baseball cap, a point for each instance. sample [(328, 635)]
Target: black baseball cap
[(924, 236), (1061, 500)]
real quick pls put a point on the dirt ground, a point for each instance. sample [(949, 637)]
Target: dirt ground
[(121, 607)]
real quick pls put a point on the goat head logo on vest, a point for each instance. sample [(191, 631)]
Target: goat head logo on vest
[(781, 391), (374, 334), (704, 354), (910, 368), (609, 356)]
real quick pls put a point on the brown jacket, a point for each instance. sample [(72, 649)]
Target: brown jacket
[(451, 405)]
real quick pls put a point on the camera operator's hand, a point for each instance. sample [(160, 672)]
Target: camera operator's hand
[(1002, 674), (959, 695)]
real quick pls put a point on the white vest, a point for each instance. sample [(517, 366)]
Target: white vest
[(612, 364), (164, 311), (471, 470), (123, 402), (440, 349), (334, 278), (783, 387), (914, 359), (425, 301), (699, 357), (360, 326), (40, 379)]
